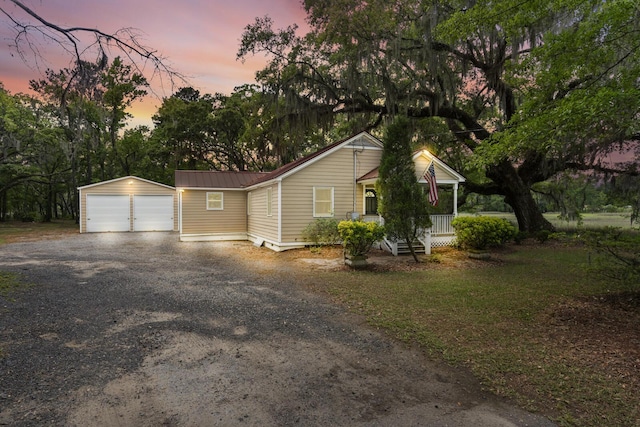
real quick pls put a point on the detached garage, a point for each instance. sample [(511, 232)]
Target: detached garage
[(128, 204)]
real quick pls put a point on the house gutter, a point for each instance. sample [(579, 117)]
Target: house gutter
[(355, 176)]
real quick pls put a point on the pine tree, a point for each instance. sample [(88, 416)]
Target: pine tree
[(403, 203)]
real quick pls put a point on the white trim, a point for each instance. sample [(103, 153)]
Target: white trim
[(264, 184), (249, 202), (210, 189), (279, 211), (125, 178), (455, 200), (221, 193), (330, 214), (180, 212), (80, 210), (212, 237)]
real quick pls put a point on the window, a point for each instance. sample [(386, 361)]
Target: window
[(370, 202), (214, 201), (269, 196), (322, 201), (249, 207)]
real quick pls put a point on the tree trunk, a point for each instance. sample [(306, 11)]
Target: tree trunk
[(412, 250), (518, 195), (3, 206), (48, 209), (529, 217)]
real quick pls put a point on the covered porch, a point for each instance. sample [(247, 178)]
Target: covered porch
[(447, 182)]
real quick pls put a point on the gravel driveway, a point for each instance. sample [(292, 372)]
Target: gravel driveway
[(142, 330)]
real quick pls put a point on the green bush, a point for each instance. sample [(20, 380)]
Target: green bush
[(482, 232), (322, 231), (543, 235), (520, 237), (358, 236)]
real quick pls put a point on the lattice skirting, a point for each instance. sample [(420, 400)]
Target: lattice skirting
[(443, 240)]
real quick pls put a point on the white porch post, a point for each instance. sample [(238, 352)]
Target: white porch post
[(427, 241), (455, 200)]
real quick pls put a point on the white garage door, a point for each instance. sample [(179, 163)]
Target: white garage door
[(153, 213), (107, 213)]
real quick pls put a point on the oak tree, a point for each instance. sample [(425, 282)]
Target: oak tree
[(524, 89)]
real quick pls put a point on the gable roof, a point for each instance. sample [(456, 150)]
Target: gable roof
[(372, 175), (242, 180), (303, 162), (448, 169), (123, 179), (214, 179)]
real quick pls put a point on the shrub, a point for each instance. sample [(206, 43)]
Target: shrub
[(322, 231), (543, 235), (520, 237), (481, 232), (358, 236)]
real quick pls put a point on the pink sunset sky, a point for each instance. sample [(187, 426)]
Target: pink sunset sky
[(199, 38)]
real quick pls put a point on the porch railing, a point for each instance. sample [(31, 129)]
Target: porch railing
[(440, 234), (441, 224)]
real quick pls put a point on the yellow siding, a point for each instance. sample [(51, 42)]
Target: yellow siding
[(259, 224), (335, 170), (421, 165), (196, 219), (130, 186)]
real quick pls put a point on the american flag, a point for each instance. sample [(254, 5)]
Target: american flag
[(430, 177)]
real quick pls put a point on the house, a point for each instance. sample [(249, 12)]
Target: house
[(272, 208)]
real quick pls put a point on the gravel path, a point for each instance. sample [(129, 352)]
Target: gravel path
[(142, 330)]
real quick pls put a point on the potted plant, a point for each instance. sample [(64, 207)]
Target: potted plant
[(357, 238)]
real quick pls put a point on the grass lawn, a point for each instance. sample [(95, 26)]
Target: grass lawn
[(16, 231), (532, 324), (589, 220)]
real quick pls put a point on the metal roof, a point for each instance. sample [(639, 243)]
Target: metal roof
[(372, 174), (215, 179)]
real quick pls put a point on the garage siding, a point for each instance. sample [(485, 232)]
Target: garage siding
[(129, 186)]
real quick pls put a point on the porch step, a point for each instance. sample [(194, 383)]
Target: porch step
[(403, 248)]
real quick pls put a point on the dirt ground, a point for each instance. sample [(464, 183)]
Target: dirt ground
[(142, 330)]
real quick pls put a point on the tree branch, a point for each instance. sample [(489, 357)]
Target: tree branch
[(125, 40)]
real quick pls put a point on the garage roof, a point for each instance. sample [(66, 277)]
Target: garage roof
[(124, 179)]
